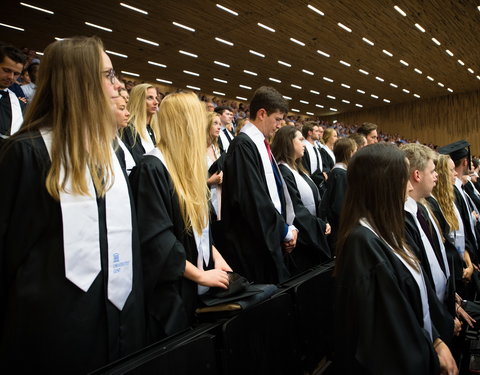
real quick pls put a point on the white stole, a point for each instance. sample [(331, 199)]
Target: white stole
[(458, 185), (147, 142), (419, 279), (258, 139), (313, 157), (81, 235), (17, 116), (225, 141), (129, 161), (330, 152), (306, 192), (203, 240)]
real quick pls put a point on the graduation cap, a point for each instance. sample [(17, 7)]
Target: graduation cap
[(457, 150)]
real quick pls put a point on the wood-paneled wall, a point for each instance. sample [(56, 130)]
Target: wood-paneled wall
[(440, 120)]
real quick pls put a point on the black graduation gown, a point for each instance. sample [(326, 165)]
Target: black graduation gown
[(469, 188), (327, 161), (49, 325), (317, 176), (133, 143), (254, 230), (442, 315), (312, 248), (170, 298), (332, 202), (378, 313), (6, 113), (465, 213)]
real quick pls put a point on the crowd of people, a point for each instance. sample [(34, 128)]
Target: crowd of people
[(122, 206)]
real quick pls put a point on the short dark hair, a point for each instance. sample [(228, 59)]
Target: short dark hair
[(367, 128), (13, 53), (269, 99), (308, 127), (222, 109)]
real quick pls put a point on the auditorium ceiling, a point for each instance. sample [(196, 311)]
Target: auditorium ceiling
[(324, 56)]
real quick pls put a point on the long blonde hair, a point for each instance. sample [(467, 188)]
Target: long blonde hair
[(210, 118), (71, 101), (182, 120), (138, 113), (443, 192)]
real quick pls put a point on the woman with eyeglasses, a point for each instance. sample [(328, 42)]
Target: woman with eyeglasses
[(382, 306), (171, 196), (71, 274), (141, 135)]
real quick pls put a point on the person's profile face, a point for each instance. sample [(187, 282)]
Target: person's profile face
[(372, 137), (272, 123), (9, 72), (111, 89), (120, 111), (216, 127), (151, 101)]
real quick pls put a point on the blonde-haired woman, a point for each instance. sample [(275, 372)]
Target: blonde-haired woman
[(171, 197), (214, 163), (71, 286), (142, 133), (328, 157)]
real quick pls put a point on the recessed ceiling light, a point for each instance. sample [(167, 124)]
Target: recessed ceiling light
[(319, 105), (328, 79), (241, 98), (387, 53), (440, 84), (221, 64), (404, 63), (449, 52), (220, 80), (219, 93), (416, 95), (406, 91), (183, 26), (461, 62), (12, 27), (394, 85), (323, 53), (331, 97), (295, 110), (418, 71), (471, 70), (363, 72), (39, 53), (164, 81), (310, 113), (250, 72), (419, 27), (188, 53), (315, 92), (304, 102), (430, 78), (296, 86), (434, 40), (157, 64), (223, 41), (266, 27), (345, 85), (386, 100), (478, 77), (284, 63), (133, 8), (297, 42), (193, 87), (344, 63), (227, 10), (116, 53), (130, 73), (318, 11), (37, 8), (333, 109), (308, 72), (256, 53), (379, 79), (359, 105), (360, 91), (344, 27), (345, 101), (287, 97), (274, 80), (148, 41), (191, 73), (368, 41), (397, 8), (449, 89), (245, 87), (374, 96)]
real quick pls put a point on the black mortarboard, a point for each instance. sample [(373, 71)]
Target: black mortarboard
[(457, 150)]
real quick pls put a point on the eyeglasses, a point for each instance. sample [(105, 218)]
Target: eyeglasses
[(110, 74)]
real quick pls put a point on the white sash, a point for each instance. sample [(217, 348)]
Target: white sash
[(258, 139), (313, 157), (458, 185), (330, 152), (81, 236), (306, 193), (129, 161), (147, 143), (419, 279), (202, 241), (225, 141), (17, 116)]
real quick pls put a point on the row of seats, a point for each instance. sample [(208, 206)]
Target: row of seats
[(288, 333)]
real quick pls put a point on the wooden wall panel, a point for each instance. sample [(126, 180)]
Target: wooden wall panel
[(440, 120)]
